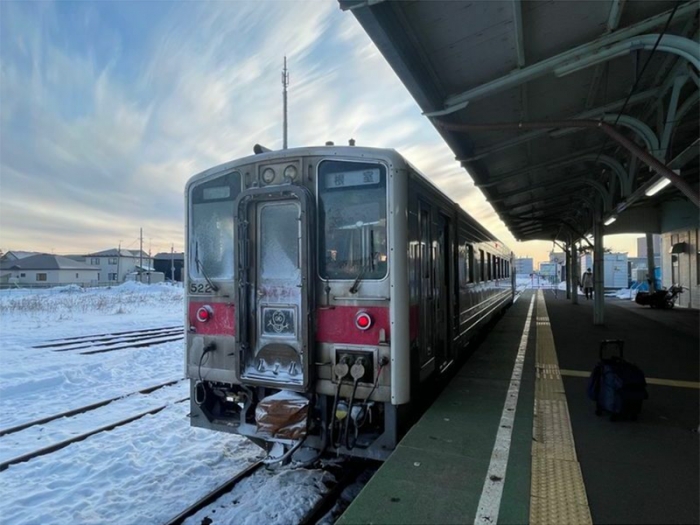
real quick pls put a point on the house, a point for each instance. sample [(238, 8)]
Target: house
[(171, 264), (16, 255), (114, 265), (44, 269)]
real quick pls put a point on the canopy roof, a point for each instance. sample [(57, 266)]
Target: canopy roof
[(519, 89)]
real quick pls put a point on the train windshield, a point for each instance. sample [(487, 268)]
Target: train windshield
[(352, 210), (211, 227)]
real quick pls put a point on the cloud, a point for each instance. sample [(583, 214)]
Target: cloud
[(108, 108)]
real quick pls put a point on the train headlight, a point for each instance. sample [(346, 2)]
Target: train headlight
[(204, 314), (290, 172), (363, 321), (268, 175)]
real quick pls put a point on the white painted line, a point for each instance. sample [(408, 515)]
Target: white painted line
[(491, 494)]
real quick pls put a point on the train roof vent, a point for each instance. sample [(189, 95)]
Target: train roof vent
[(329, 143), (258, 149)]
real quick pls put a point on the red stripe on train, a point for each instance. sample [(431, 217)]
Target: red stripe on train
[(222, 322), (337, 325)]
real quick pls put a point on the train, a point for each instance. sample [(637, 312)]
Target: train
[(328, 288)]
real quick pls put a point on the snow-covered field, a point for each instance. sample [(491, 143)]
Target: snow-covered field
[(145, 472)]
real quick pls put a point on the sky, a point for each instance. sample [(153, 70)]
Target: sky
[(108, 108)]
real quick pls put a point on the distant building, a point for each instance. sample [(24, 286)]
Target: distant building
[(47, 270), (170, 263), (16, 255), (616, 270), (642, 245), (115, 265), (559, 258), (523, 266), (680, 264)]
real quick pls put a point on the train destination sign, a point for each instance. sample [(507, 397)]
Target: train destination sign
[(343, 179), (217, 192)]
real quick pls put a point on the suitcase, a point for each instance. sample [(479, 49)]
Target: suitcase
[(617, 386)]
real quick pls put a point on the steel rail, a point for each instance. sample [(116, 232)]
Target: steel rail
[(111, 334), (128, 347), (114, 340), (86, 408), (81, 437), (351, 473), (215, 494)]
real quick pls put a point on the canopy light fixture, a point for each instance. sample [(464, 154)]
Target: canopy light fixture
[(657, 187), (610, 220)]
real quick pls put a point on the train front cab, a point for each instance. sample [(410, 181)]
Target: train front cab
[(281, 317)]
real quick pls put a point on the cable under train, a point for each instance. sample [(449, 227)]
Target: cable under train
[(326, 288)]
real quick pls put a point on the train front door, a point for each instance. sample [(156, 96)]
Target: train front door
[(274, 277)]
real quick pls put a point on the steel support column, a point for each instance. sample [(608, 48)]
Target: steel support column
[(574, 276), (598, 273), (567, 253), (650, 262)]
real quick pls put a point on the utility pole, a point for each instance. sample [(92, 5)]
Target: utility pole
[(172, 263), (285, 83), (140, 273), (119, 259)]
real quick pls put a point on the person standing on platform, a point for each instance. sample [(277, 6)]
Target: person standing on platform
[(587, 283)]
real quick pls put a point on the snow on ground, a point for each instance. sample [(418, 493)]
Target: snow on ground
[(145, 472)]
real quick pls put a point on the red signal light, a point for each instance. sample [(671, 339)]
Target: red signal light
[(363, 321), (204, 314)]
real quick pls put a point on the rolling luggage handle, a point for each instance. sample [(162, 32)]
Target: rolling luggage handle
[(612, 342)]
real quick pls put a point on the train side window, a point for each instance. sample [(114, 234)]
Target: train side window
[(462, 265), (211, 250), (488, 269), (352, 220)]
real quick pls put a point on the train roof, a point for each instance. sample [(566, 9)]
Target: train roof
[(339, 151)]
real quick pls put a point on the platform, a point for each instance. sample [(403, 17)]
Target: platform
[(502, 447)]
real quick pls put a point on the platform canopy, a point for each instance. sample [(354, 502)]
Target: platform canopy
[(563, 112)]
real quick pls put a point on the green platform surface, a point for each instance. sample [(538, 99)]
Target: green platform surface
[(436, 474)]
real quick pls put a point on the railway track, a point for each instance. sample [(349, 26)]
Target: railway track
[(101, 343), (351, 471), (81, 437), (348, 473), (101, 337), (215, 494), (82, 410)]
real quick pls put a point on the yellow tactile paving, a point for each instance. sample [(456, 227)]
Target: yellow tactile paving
[(558, 494), (650, 380)]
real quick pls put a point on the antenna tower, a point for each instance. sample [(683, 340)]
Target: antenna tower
[(285, 83)]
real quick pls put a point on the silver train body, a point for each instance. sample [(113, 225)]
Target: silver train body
[(327, 287)]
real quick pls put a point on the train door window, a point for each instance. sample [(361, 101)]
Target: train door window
[(482, 266), (470, 263), (211, 227), (352, 220), (489, 275), (425, 243), (462, 265)]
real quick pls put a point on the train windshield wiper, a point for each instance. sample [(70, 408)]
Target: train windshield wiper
[(356, 284), (200, 268)]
